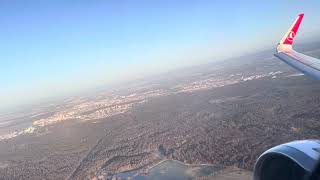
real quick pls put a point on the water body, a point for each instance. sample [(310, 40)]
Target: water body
[(172, 170)]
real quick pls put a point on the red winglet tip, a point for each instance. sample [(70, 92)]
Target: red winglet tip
[(290, 35)]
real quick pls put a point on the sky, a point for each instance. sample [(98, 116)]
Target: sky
[(56, 47)]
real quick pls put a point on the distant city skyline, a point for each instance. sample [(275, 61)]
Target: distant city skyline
[(53, 48)]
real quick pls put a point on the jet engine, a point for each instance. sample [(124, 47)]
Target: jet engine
[(297, 160)]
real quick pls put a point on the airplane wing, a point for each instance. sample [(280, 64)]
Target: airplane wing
[(306, 64)]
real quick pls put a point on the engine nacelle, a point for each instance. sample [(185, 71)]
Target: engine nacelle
[(297, 160)]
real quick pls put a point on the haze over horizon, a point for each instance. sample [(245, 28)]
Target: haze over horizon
[(54, 48)]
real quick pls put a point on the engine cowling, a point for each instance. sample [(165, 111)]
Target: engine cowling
[(296, 160)]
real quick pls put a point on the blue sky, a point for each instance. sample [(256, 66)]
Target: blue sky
[(51, 48)]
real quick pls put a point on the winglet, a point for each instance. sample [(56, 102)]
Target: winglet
[(292, 32)]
